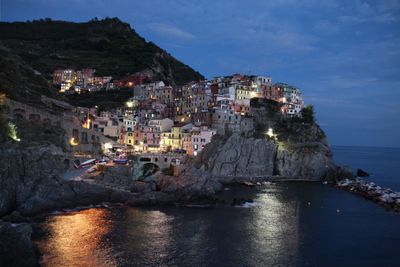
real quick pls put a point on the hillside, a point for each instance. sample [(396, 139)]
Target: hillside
[(19, 81), (109, 46)]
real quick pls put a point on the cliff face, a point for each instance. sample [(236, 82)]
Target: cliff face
[(16, 247), (312, 161), (31, 183), (238, 156), (300, 151), (28, 176)]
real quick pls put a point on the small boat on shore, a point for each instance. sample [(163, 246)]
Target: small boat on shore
[(92, 169), (103, 161), (120, 161), (85, 164), (249, 184)]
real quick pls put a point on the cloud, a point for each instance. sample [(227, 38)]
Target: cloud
[(326, 26), (341, 82), (171, 31), (380, 12)]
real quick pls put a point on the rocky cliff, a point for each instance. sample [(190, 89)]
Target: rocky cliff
[(298, 149), (240, 156), (16, 247), (31, 182)]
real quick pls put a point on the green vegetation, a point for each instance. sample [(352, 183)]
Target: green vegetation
[(105, 100), (20, 82), (3, 122), (307, 114), (109, 46)]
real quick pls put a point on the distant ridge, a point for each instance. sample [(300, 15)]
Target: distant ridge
[(110, 46)]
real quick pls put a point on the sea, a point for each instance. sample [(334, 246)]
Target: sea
[(287, 224)]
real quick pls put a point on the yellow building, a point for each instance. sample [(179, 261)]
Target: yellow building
[(130, 138), (173, 139)]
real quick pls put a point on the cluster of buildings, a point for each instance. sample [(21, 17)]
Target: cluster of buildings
[(81, 81), (78, 81), (160, 118)]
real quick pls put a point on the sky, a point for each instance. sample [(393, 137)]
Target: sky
[(344, 55)]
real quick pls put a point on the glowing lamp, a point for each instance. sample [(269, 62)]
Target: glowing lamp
[(270, 133), (73, 142)]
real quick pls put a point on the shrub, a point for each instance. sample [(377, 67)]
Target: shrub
[(308, 114)]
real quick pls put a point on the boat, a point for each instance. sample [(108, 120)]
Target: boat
[(85, 164), (92, 169), (103, 161), (246, 183), (120, 161)]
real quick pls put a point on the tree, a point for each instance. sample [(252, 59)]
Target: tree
[(308, 114)]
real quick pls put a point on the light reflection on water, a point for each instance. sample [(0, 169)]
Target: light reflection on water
[(290, 225), (266, 234), (276, 230), (78, 239), (293, 224)]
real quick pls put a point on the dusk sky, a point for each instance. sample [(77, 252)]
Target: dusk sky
[(344, 55)]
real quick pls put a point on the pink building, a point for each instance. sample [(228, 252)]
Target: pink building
[(200, 136)]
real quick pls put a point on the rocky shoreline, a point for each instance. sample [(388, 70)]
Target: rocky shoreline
[(192, 192), (371, 191), (31, 183)]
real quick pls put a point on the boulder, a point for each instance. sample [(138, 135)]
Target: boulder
[(16, 247), (361, 173), (142, 187), (338, 173)]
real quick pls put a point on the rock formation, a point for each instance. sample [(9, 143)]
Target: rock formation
[(16, 246), (238, 156), (251, 156)]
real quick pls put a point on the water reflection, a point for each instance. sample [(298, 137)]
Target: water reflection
[(276, 230), (226, 236), (143, 235), (292, 225), (78, 239)]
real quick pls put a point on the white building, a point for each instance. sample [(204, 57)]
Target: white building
[(292, 100), (259, 80), (129, 122), (163, 125)]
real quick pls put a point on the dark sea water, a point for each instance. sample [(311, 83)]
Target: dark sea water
[(382, 163), (290, 224)]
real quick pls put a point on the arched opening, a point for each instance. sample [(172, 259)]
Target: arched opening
[(19, 113), (84, 138), (77, 163), (5, 109), (35, 118), (149, 169), (19, 116), (66, 164), (47, 121), (75, 134)]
